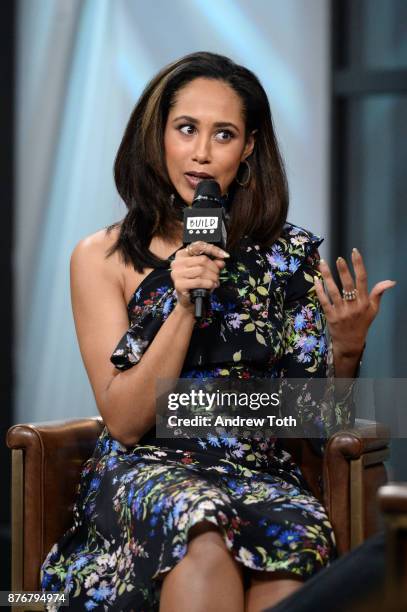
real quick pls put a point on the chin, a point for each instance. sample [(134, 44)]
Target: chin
[(187, 198)]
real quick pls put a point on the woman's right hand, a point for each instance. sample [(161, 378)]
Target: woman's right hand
[(193, 271)]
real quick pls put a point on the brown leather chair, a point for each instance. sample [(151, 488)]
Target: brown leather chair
[(393, 505), (47, 459)]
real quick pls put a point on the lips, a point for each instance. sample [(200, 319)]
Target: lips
[(193, 178)]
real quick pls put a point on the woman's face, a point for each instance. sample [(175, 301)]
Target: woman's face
[(205, 136)]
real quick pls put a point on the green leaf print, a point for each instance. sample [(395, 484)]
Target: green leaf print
[(262, 290), (122, 588), (262, 552)]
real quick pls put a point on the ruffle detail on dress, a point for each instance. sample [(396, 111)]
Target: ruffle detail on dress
[(295, 248), (145, 323)]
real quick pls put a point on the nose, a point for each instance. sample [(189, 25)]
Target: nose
[(202, 150)]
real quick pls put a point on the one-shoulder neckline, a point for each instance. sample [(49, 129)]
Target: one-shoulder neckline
[(143, 281)]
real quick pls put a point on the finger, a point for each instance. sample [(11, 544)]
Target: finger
[(200, 247), (200, 272), (378, 291), (191, 267), (198, 283), (186, 260), (184, 270), (344, 274), (323, 298), (202, 260), (330, 284), (219, 263), (193, 271), (360, 273)]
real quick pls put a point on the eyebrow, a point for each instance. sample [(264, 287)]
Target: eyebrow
[(217, 124)]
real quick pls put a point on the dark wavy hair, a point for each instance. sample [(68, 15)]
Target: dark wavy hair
[(141, 176)]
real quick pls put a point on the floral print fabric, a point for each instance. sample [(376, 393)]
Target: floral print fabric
[(135, 506)]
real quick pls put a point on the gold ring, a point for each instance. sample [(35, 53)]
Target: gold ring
[(191, 252), (349, 296)]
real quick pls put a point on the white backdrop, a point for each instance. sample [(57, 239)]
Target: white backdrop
[(81, 67)]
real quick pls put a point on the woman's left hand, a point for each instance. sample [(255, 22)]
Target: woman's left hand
[(349, 320)]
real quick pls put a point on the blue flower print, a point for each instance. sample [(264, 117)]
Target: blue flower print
[(294, 264), (95, 482), (213, 440), (101, 593), (299, 322), (273, 530), (308, 343), (229, 441), (167, 307), (277, 259), (79, 563), (288, 536)]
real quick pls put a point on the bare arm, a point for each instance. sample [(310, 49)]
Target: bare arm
[(126, 400)]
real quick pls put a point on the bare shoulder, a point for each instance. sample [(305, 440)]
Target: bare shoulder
[(95, 247), (90, 255)]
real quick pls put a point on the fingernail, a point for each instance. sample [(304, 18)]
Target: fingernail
[(339, 258), (322, 261), (316, 280), (225, 254), (354, 250)]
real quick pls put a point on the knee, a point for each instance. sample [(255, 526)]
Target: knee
[(207, 547)]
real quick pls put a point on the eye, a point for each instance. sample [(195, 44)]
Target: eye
[(227, 135), (186, 128)]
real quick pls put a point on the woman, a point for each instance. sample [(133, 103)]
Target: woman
[(214, 523)]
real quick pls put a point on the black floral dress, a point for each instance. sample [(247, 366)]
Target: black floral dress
[(135, 506)]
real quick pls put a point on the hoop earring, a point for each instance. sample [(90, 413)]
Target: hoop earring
[(246, 182)]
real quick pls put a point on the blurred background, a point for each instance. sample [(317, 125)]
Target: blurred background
[(71, 71)]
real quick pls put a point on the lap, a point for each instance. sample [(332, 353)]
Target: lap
[(204, 537), (267, 523)]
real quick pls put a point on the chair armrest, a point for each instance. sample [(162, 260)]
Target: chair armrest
[(366, 436), (353, 470), (79, 433), (47, 459)]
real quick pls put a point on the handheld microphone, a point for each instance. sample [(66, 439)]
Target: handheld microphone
[(205, 220)]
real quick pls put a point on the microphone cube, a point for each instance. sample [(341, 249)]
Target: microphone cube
[(205, 224)]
